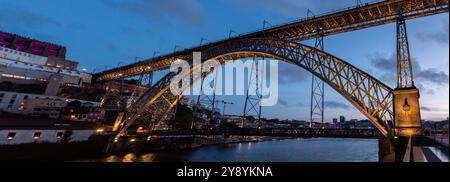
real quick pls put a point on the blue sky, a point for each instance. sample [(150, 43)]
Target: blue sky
[(107, 33)]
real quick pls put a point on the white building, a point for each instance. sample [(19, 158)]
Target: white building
[(23, 67), (15, 102), (43, 107)]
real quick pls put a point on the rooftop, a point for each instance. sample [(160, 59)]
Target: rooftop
[(31, 46)]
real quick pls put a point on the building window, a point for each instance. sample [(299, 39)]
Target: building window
[(37, 135), (13, 99), (59, 135), (11, 135), (25, 97)]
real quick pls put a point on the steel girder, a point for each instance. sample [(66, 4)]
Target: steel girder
[(370, 96), (351, 19)]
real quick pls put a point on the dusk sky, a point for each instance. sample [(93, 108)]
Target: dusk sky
[(106, 33)]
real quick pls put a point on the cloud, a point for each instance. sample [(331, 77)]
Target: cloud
[(426, 109), (432, 109), (387, 70), (336, 105), (433, 75), (282, 102), (187, 11), (440, 37), (289, 73), (13, 15), (423, 88)]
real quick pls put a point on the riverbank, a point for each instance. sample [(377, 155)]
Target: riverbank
[(184, 142)]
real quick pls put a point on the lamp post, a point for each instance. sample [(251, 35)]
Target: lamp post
[(136, 59), (231, 32), (155, 53), (201, 40)]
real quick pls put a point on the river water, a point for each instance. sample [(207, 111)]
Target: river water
[(288, 150)]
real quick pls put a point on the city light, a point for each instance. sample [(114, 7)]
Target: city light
[(171, 103)]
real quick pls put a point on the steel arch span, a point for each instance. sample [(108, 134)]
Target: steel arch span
[(371, 97)]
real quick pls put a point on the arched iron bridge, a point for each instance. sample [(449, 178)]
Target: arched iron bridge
[(370, 96)]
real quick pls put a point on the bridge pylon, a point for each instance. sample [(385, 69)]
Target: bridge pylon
[(252, 105), (205, 100), (407, 119), (317, 88)]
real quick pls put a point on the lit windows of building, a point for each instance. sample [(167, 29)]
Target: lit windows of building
[(37, 135), (11, 136), (59, 135)]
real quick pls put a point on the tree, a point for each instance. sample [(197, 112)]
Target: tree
[(183, 118)]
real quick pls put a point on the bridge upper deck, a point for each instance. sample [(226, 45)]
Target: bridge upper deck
[(355, 18)]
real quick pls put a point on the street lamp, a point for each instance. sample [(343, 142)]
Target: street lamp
[(231, 32), (265, 22), (155, 53), (136, 59), (175, 48), (224, 105), (201, 40), (119, 63), (106, 67)]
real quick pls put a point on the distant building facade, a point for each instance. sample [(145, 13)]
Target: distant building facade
[(341, 119), (44, 105), (23, 60), (335, 120)]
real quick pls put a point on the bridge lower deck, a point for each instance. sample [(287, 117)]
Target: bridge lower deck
[(275, 132)]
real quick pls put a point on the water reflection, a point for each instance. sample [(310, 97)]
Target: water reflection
[(291, 150), (131, 157), (149, 158)]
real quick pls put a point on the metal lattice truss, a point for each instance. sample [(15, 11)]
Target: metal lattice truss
[(405, 77), (143, 84), (113, 97), (355, 18), (317, 91), (208, 100), (252, 105), (370, 96)]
